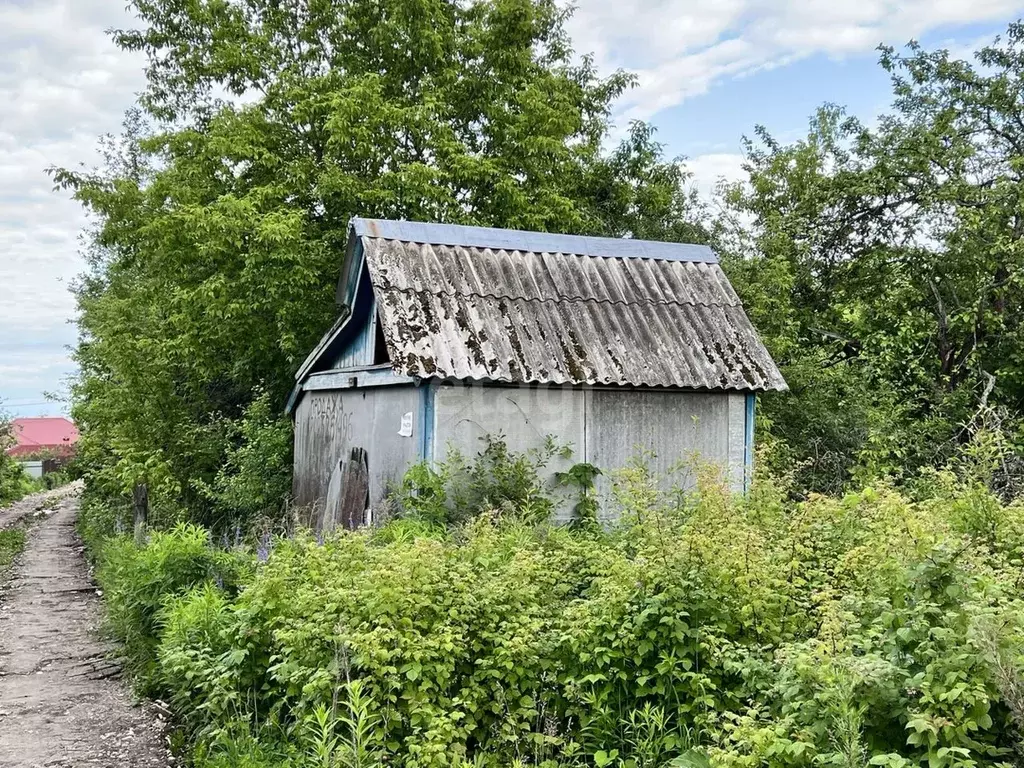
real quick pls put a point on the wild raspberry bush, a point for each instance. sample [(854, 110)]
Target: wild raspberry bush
[(703, 628)]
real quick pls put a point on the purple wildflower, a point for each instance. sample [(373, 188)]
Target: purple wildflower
[(264, 548)]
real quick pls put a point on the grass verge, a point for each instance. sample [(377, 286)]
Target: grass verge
[(12, 542)]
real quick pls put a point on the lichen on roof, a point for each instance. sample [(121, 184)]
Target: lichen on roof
[(508, 306)]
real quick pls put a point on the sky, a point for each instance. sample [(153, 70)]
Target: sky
[(707, 71)]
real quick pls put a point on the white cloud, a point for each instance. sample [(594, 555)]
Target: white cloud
[(62, 84), (713, 167), (680, 48)]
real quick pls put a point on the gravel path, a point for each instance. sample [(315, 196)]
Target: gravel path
[(61, 702)]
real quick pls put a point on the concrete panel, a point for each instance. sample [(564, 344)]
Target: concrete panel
[(607, 428), (524, 416), (737, 440), (328, 424), (670, 430)]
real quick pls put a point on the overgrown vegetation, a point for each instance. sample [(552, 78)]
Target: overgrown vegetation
[(878, 627), (14, 481), (12, 542)]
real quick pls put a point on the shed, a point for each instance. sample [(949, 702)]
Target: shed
[(450, 333)]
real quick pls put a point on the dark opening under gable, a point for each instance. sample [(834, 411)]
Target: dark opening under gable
[(350, 343), (380, 347)]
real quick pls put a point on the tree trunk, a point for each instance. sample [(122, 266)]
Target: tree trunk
[(140, 508)]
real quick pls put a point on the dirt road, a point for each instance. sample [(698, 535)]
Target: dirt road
[(61, 700)]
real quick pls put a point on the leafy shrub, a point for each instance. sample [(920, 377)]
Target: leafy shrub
[(60, 477), (12, 542), (450, 638), (139, 581), (14, 481), (256, 476), (495, 480), (99, 519), (705, 629), (765, 632)]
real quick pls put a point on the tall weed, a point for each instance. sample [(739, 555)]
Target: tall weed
[(138, 582)]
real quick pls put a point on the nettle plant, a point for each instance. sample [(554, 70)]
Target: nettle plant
[(496, 481)]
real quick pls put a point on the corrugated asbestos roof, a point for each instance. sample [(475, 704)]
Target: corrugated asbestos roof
[(517, 312)]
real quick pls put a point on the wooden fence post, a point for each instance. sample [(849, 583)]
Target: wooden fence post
[(140, 507)]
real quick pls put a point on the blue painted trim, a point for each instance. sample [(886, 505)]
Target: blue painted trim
[(748, 440), (427, 393), (293, 400), (355, 316), (351, 271), (345, 295), (355, 378), (521, 240), (358, 348)]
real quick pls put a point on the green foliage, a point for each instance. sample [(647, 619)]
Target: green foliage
[(883, 266), (220, 223), (12, 542), (256, 476), (14, 482), (137, 581), (705, 629), (495, 481), (581, 477), (98, 520), (56, 479)]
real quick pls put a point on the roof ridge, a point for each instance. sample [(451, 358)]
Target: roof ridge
[(467, 236)]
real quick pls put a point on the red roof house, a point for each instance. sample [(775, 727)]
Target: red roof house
[(46, 434)]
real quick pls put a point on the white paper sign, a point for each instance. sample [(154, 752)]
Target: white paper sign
[(406, 429)]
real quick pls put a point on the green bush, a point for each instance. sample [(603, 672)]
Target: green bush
[(138, 582), (705, 629), (12, 542), (834, 631), (15, 483), (256, 476), (98, 520), (496, 480)]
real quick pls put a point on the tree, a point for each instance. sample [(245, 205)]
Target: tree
[(14, 482), (221, 212), (886, 264)]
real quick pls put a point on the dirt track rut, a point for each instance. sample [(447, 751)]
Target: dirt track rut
[(61, 700)]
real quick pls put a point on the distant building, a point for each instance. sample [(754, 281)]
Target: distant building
[(50, 436), (614, 346)]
